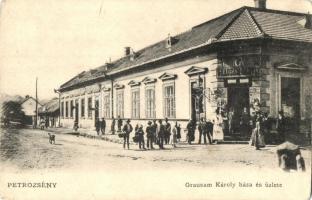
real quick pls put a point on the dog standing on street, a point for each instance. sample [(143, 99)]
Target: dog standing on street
[(51, 138)]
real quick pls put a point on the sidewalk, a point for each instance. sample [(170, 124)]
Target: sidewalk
[(296, 139), (89, 134)]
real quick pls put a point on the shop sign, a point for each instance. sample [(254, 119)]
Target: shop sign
[(240, 71), (239, 68)]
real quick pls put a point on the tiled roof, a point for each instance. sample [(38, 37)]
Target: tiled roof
[(85, 76), (243, 23), (283, 25), (243, 27), (51, 106)]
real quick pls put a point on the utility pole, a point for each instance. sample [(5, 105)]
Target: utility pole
[(59, 102), (36, 118)]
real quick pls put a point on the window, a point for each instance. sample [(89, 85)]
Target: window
[(107, 105), (169, 101), (71, 108), (135, 97), (150, 102), (120, 103), (90, 107), (62, 109), (66, 109), (82, 107)]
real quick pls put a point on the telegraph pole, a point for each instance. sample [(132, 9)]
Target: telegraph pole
[(36, 118), (59, 102)]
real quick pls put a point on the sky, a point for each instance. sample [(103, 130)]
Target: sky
[(56, 40)]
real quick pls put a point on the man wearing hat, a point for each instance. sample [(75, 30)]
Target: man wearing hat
[(103, 126), (167, 131), (202, 129), (154, 130), (127, 129), (161, 134), (149, 135), (119, 123)]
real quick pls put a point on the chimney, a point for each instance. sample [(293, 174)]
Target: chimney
[(260, 4), (127, 51), (168, 41)]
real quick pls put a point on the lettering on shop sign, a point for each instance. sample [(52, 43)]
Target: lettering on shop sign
[(240, 67), (239, 71)]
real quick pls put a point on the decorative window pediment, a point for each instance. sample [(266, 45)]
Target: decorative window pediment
[(119, 86), (167, 76), (147, 80), (134, 83), (195, 70), (105, 87), (291, 66)]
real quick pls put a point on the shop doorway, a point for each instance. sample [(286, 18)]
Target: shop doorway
[(290, 100), (197, 103), (238, 99)]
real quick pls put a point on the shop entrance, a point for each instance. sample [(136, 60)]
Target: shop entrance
[(238, 99), (197, 104), (290, 100)]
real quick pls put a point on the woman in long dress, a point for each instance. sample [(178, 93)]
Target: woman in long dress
[(218, 134), (257, 137)]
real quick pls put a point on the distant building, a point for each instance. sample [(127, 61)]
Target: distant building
[(29, 108), (50, 112), (245, 56)]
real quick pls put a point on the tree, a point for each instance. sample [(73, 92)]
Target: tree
[(12, 112)]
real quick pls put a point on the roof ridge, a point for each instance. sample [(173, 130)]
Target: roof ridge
[(183, 32), (261, 32), (216, 18), (276, 11), (242, 9)]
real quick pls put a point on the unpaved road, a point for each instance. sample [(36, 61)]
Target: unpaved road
[(85, 168), (28, 149)]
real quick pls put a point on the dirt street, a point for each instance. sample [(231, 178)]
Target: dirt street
[(28, 152)]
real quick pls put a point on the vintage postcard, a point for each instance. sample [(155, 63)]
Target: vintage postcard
[(172, 99)]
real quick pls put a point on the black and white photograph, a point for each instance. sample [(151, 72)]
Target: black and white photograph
[(172, 99)]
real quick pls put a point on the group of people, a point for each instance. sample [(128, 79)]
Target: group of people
[(261, 129), (211, 129), (157, 132), (160, 132), (100, 125)]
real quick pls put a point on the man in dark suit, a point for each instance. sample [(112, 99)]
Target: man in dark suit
[(154, 130), (167, 131), (103, 125), (97, 126), (149, 135), (119, 123), (127, 129), (161, 134), (280, 127), (190, 131), (113, 126), (202, 128), (209, 129)]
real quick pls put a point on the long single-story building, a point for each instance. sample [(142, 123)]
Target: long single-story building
[(252, 54), (50, 113)]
